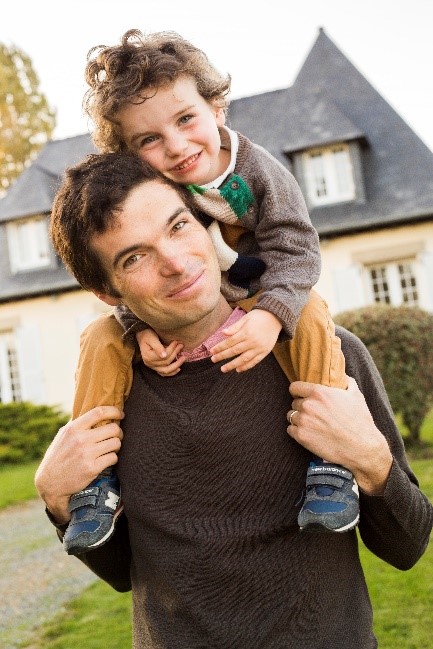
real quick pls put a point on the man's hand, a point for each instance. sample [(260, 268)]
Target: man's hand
[(78, 453), (162, 359), (250, 339), (337, 426)]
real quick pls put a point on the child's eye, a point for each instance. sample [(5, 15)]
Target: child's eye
[(185, 119)]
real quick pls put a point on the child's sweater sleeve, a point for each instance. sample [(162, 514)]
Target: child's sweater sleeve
[(104, 371), (263, 202), (286, 240)]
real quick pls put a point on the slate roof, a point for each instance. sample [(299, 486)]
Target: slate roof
[(33, 191), (32, 194), (330, 101)]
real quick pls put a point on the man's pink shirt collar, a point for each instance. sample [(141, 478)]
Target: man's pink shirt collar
[(203, 350)]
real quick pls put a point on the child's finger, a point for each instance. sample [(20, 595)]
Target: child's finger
[(230, 343), (148, 340), (158, 348), (242, 362), (228, 352), (172, 369), (234, 328)]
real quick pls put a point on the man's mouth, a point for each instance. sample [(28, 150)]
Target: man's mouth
[(186, 163), (182, 290)]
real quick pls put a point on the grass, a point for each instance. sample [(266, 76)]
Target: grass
[(99, 619), (403, 601), (16, 483)]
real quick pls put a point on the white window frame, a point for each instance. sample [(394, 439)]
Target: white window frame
[(329, 175), (28, 242), (10, 384), (397, 282)]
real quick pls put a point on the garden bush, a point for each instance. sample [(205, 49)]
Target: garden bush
[(26, 430), (400, 340)]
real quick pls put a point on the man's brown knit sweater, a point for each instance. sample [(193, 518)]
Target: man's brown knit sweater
[(212, 484)]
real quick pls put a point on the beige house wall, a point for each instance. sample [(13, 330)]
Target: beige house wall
[(54, 324), (341, 255)]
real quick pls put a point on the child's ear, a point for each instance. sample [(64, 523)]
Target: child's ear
[(108, 299), (220, 115)]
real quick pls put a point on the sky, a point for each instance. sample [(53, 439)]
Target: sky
[(262, 44)]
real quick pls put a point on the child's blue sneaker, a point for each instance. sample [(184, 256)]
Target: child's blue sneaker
[(332, 499), (94, 512)]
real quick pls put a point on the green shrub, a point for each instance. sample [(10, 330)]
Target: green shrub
[(400, 340), (26, 430)]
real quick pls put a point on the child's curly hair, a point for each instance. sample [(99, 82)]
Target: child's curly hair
[(125, 73)]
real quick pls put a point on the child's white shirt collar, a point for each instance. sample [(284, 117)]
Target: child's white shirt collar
[(232, 145)]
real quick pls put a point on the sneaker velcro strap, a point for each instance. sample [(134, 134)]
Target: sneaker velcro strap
[(84, 498), (325, 480), (330, 469)]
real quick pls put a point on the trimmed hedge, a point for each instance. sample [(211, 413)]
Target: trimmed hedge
[(26, 430), (400, 340)]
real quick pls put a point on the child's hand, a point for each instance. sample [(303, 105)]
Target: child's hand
[(159, 358), (250, 340)]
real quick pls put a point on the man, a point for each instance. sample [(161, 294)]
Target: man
[(209, 541)]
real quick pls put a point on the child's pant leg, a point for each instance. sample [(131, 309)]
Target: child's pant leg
[(315, 350), (314, 353), (104, 372)]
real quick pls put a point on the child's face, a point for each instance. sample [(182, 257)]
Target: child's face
[(175, 130)]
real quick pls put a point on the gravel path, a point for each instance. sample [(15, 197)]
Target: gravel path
[(37, 577)]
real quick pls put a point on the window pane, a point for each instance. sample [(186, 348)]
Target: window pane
[(408, 285), (343, 172), (318, 175), (379, 285), (394, 283), (329, 175), (28, 244), (10, 389)]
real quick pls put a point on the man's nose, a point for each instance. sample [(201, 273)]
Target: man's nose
[(171, 263)]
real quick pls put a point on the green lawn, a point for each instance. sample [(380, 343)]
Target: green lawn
[(16, 483), (99, 619), (403, 601)]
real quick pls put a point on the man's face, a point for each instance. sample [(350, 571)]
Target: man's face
[(160, 260)]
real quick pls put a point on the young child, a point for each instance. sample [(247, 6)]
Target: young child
[(160, 97)]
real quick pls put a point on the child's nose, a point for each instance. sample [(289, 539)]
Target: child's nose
[(176, 144)]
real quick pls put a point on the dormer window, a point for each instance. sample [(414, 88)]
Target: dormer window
[(28, 243), (329, 175)]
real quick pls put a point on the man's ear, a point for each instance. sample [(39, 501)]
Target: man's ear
[(108, 299)]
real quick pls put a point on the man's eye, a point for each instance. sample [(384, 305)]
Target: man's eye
[(179, 225), (146, 141), (131, 260)]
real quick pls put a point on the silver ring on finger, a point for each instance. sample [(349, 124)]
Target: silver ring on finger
[(291, 422)]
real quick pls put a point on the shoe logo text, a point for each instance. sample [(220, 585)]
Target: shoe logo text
[(112, 500)]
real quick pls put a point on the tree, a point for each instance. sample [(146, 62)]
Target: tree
[(400, 340), (26, 120)]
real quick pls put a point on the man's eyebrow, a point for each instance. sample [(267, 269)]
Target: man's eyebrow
[(137, 246)]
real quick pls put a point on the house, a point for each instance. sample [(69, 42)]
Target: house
[(366, 176)]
